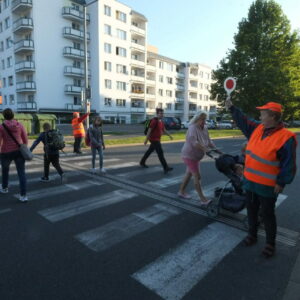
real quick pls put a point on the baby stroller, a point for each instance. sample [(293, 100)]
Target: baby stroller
[(231, 196)]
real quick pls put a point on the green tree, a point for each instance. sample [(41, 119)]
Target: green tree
[(265, 61)]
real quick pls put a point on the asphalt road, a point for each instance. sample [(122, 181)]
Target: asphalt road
[(126, 235)]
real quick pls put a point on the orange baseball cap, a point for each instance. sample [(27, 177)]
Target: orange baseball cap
[(271, 106)]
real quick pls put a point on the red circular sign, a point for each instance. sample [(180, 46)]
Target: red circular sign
[(229, 84)]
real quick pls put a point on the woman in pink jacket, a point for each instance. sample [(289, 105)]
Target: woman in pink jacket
[(197, 143), (10, 151)]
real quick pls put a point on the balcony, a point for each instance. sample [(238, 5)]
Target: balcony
[(137, 94), (24, 46), (73, 89), (73, 107), (75, 72), (136, 30), (193, 100), (73, 14), (74, 53), (150, 96), (25, 66), (193, 88), (180, 75), (23, 25), (137, 78), (74, 34), (137, 107), (138, 47), (27, 106), (179, 100), (179, 87), (18, 6), (26, 86), (139, 63)]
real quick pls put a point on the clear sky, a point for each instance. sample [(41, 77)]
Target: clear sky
[(199, 30)]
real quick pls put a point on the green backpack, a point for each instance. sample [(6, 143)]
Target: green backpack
[(55, 140), (147, 125)]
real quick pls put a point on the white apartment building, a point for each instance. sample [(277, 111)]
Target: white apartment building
[(42, 63)]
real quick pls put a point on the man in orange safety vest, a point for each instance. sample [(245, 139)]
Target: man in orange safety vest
[(78, 130)]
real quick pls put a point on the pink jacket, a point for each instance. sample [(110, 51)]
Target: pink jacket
[(7, 144)]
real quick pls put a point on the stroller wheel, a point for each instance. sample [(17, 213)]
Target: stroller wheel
[(212, 210)]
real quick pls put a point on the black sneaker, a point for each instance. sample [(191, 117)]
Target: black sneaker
[(143, 165), (44, 179), (168, 169)]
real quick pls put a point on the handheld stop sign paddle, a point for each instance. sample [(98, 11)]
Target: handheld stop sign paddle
[(229, 85)]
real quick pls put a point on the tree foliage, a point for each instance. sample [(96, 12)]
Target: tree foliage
[(265, 62)]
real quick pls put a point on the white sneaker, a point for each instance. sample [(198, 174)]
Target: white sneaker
[(102, 170), (93, 170), (4, 191), (23, 198)]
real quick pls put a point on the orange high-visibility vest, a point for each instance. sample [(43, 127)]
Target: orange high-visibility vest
[(262, 164), (78, 128)]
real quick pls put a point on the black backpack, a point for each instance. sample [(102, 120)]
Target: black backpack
[(147, 125), (55, 140)]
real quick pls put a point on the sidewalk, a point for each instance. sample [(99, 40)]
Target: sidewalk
[(292, 291)]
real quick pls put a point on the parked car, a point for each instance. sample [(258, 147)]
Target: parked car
[(224, 125), (185, 124), (171, 123), (211, 124)]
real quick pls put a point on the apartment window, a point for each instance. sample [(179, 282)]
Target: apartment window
[(169, 106), (76, 82), (75, 6), (121, 102), (107, 66), (169, 80), (5, 99), (107, 101), (107, 29), (107, 10), (205, 97), (9, 42), (11, 99), (207, 75), (10, 80), (9, 62), (206, 86), (161, 64), (76, 100), (76, 45), (201, 85), (121, 51), (200, 96), (107, 48), (7, 22), (28, 57), (121, 69), (75, 26), (1, 46), (159, 105), (107, 83), (200, 107), (6, 3), (161, 78), (121, 34), (169, 67), (76, 64), (1, 25), (3, 64), (4, 82), (160, 92), (121, 85), (30, 98), (168, 93), (201, 74), (121, 16)]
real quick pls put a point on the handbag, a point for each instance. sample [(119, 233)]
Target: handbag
[(25, 152)]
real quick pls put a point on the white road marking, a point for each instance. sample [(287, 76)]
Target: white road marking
[(123, 165), (110, 234), (79, 158), (6, 210), (72, 209), (84, 163), (174, 274), (142, 172), (165, 182), (56, 190)]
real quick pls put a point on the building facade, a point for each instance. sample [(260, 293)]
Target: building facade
[(42, 63)]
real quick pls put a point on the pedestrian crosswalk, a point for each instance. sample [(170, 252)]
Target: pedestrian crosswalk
[(152, 196)]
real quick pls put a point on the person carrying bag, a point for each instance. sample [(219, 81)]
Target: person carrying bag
[(13, 138)]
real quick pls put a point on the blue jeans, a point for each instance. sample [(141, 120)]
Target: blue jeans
[(6, 159), (100, 152)]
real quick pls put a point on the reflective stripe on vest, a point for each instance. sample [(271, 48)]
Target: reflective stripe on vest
[(78, 128), (262, 164)]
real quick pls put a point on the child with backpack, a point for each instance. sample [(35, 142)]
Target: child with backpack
[(53, 142), (95, 140)]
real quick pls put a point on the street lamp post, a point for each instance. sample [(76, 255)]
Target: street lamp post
[(87, 90)]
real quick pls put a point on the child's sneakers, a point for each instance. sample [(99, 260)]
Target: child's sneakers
[(44, 179), (23, 198), (93, 170), (103, 171), (4, 191)]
